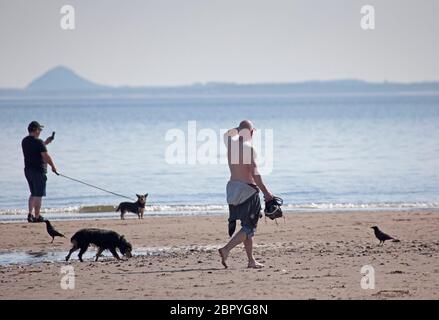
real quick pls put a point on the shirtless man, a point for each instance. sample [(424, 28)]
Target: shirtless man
[(243, 191)]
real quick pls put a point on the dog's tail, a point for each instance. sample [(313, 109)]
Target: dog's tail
[(118, 208)]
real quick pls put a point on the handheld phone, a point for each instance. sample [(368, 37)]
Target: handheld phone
[(50, 139)]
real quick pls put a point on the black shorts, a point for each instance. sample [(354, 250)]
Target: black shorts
[(248, 212), (37, 182)]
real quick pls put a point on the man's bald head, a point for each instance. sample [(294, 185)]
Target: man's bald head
[(245, 124), (246, 129)]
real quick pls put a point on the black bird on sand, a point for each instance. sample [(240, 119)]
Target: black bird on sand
[(382, 236), (51, 231)]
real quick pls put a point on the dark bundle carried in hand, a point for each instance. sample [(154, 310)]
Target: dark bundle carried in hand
[(273, 208)]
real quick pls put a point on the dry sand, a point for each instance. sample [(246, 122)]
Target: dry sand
[(310, 256)]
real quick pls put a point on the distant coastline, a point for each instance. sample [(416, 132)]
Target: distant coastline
[(63, 82)]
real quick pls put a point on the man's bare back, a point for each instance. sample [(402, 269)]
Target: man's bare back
[(242, 156), (242, 171)]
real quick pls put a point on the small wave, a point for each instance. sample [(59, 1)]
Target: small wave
[(184, 209), (71, 209), (159, 208), (354, 206)]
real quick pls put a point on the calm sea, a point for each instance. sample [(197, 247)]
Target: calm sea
[(329, 152)]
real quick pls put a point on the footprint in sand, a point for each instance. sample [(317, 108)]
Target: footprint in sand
[(392, 293)]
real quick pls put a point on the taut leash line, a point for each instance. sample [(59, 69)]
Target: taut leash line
[(90, 185)]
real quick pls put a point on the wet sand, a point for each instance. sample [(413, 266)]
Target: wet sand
[(309, 256)]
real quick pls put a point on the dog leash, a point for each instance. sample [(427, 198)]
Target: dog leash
[(90, 185)]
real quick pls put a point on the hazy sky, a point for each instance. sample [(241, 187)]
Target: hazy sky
[(165, 42)]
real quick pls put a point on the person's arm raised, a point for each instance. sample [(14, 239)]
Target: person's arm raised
[(49, 139), (230, 133)]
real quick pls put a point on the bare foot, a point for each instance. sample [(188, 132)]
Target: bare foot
[(223, 257), (255, 265)]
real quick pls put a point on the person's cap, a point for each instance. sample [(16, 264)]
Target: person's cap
[(34, 125)]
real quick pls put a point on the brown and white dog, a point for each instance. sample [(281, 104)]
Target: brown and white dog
[(137, 207)]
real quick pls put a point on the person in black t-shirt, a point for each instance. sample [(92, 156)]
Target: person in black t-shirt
[(36, 159)]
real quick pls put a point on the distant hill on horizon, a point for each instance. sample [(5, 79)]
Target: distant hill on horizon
[(62, 81), (61, 78)]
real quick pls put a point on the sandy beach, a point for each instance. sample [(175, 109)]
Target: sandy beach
[(309, 256)]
